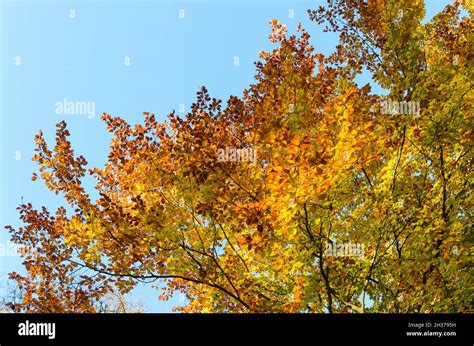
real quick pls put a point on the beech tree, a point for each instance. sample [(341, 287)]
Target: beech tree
[(334, 163)]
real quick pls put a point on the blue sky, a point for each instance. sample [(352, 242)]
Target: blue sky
[(127, 57)]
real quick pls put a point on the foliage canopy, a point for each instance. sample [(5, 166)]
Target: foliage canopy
[(332, 165)]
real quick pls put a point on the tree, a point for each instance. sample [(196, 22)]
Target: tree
[(244, 208), (116, 302), (11, 295)]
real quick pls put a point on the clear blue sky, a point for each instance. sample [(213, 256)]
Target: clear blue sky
[(79, 50)]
